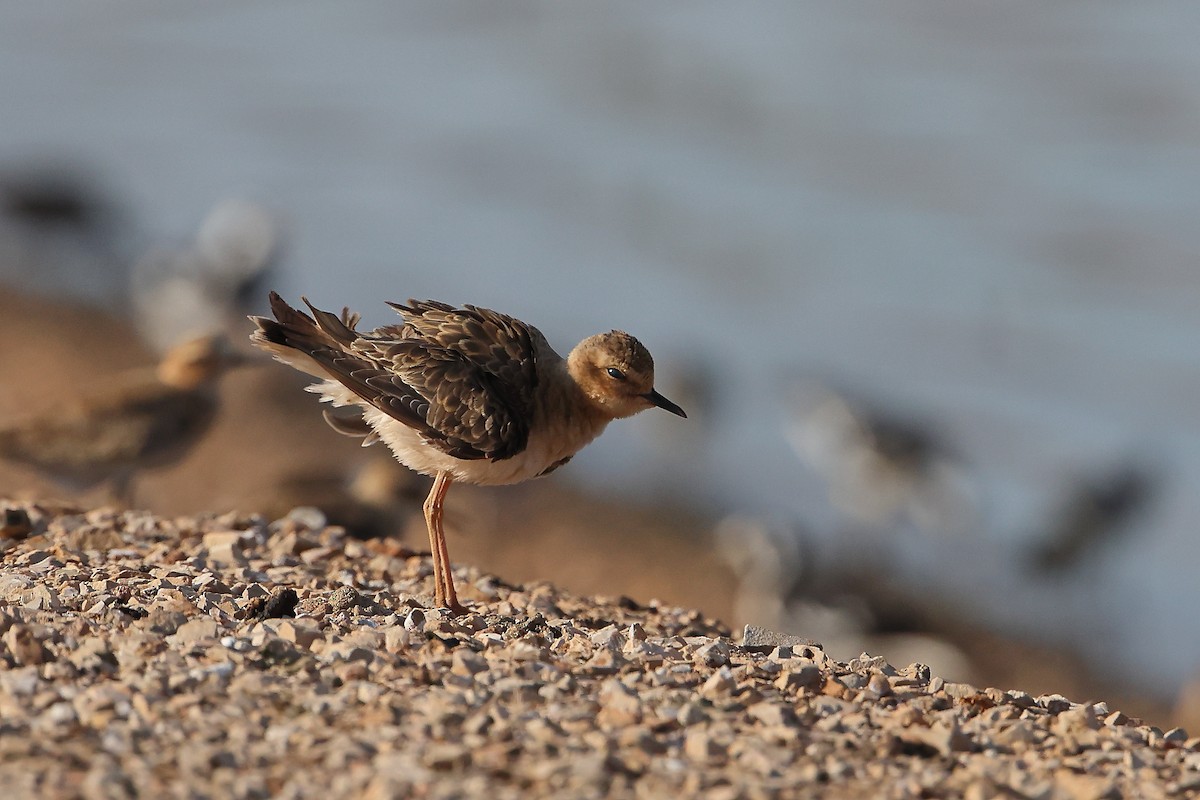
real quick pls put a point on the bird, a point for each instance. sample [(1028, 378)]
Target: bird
[(462, 394), (207, 285), (141, 418), (1098, 508)]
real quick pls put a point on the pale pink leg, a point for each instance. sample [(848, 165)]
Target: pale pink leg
[(443, 579)]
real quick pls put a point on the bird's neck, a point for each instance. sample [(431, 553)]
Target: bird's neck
[(565, 402)]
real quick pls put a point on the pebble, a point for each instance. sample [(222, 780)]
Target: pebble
[(174, 667), (755, 636)]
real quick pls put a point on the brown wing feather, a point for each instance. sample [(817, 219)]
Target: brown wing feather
[(463, 378), (494, 342), (501, 356), (296, 330)]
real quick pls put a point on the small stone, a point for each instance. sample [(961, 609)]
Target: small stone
[(224, 539), (313, 607), (348, 651), (690, 714), (40, 598), (941, 737), (867, 663), (916, 673), (93, 654), (309, 517), (1054, 703), (605, 660), (755, 636), (12, 586), (194, 631), (1018, 736), (314, 555), (396, 638), (960, 691), (1176, 736), (344, 598), (609, 636), (1084, 787), (446, 756), (15, 524), (853, 680), (719, 684), (1021, 699), (713, 654), (467, 662), (619, 705), (797, 675), (699, 745), (770, 713), (879, 686), (25, 646), (302, 632), (1080, 717)]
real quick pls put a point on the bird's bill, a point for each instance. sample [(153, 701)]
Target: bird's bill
[(663, 403)]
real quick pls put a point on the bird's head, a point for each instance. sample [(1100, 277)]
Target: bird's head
[(198, 362), (616, 373)]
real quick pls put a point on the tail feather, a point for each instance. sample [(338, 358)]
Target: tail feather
[(331, 325), (292, 337), (324, 348)]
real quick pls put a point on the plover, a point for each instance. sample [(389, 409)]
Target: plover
[(881, 468), (1096, 509), (142, 418), (209, 285), (463, 393)]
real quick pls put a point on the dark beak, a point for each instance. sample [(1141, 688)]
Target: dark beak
[(664, 403)]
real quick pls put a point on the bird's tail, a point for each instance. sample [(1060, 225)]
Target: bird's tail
[(299, 340)]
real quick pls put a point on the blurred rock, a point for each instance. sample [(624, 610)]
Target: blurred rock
[(755, 636)]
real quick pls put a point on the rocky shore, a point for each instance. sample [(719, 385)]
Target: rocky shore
[(232, 656)]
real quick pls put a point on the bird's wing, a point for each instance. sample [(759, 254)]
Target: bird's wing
[(113, 430), (458, 378), (496, 343)]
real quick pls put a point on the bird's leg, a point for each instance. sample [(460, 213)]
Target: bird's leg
[(433, 509), (444, 594)]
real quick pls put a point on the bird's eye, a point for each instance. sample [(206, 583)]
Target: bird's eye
[(615, 374)]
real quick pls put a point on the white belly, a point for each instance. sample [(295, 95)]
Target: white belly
[(540, 454), (550, 441)]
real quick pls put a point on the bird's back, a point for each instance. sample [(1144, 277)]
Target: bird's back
[(464, 379), (136, 424)]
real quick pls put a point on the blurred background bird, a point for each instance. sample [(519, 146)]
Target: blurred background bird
[(136, 420), (208, 285)]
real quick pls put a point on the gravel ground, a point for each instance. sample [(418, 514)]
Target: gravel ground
[(228, 656)]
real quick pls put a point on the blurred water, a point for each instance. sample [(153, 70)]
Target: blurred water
[(983, 214)]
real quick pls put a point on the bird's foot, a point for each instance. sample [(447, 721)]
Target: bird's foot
[(450, 603), (455, 608)]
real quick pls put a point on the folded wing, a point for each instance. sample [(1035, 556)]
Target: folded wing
[(463, 378)]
